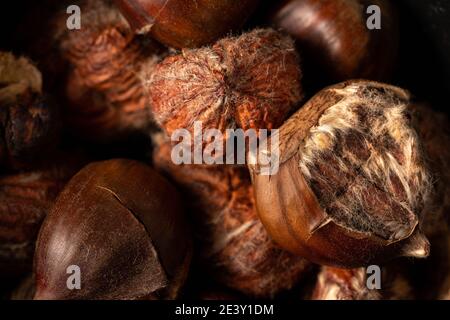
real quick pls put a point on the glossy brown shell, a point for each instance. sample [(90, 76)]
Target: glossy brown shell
[(122, 224), (186, 23)]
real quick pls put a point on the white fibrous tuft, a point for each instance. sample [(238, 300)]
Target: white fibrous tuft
[(363, 160)]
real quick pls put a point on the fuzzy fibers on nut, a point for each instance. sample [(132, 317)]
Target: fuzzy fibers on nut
[(232, 243), (250, 81), (103, 88), (352, 185)]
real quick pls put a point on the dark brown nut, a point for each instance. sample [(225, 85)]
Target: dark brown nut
[(186, 23), (352, 184), (251, 81), (122, 224), (232, 243), (102, 90), (28, 121), (25, 200), (335, 40)]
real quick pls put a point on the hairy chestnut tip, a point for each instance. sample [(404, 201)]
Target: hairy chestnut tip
[(354, 164), (121, 226), (250, 81)]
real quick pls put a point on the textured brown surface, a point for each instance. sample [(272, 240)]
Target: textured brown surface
[(123, 225), (25, 200), (186, 23), (251, 81), (335, 208), (232, 243), (104, 90)]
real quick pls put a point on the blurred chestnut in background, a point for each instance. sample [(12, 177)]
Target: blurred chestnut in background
[(122, 224), (335, 40), (233, 245), (25, 200), (186, 23), (28, 120)]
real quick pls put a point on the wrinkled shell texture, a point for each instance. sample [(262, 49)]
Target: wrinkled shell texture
[(250, 81), (104, 87), (25, 200), (363, 161), (231, 237)]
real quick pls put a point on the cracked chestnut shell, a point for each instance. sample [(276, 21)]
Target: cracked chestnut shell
[(122, 224), (352, 186), (186, 23)]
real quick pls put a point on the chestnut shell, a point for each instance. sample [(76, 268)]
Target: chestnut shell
[(122, 224), (186, 23), (292, 214)]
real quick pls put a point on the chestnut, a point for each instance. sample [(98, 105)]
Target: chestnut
[(122, 225), (352, 186), (186, 23), (335, 41)]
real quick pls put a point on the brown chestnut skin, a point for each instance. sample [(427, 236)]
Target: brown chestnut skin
[(122, 224), (334, 40), (186, 23), (330, 201)]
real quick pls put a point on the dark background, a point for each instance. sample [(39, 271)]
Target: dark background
[(424, 59)]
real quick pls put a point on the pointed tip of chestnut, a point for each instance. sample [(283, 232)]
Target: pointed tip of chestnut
[(418, 246)]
